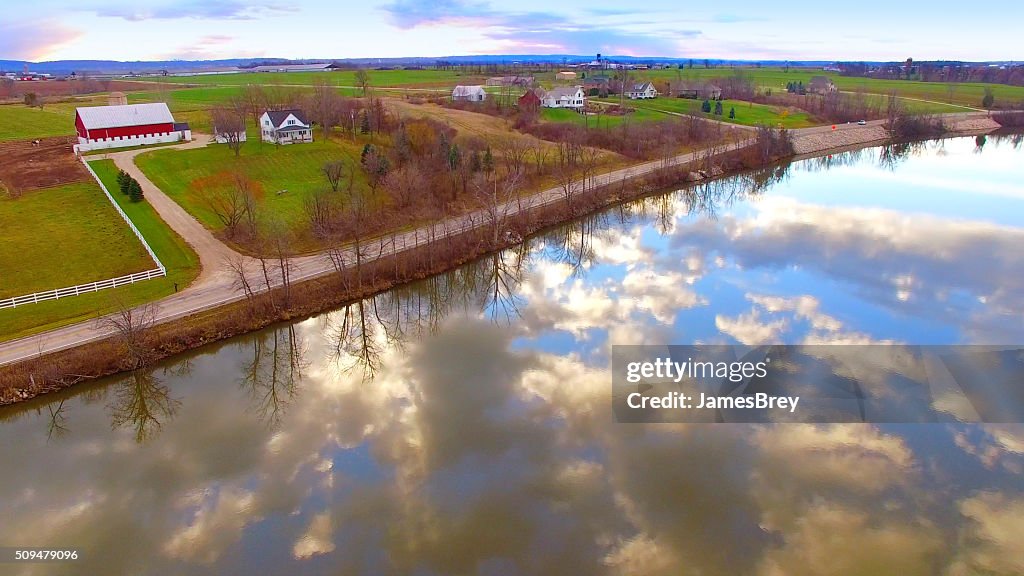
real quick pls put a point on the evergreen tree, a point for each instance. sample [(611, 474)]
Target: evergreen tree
[(454, 158), (732, 112), (488, 160), (718, 108), (367, 150), (135, 190), (705, 107), (123, 180), (365, 126)]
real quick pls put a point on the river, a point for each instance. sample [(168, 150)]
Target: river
[(462, 425)]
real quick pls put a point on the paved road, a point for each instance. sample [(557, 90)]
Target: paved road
[(215, 287)]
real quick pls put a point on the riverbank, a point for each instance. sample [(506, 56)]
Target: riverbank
[(54, 371)]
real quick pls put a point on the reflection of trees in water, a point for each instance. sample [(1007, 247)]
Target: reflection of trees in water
[(1012, 139), (143, 402), (57, 426), (271, 377), (360, 332), (834, 160)]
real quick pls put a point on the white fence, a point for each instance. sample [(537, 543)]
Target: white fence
[(101, 284), (81, 288)]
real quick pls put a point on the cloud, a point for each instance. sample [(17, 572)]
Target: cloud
[(34, 39), (547, 32), (199, 9)]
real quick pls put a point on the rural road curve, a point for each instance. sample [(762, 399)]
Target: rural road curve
[(215, 285)]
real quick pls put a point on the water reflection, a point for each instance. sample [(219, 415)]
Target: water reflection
[(463, 424)]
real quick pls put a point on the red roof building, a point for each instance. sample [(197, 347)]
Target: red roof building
[(127, 125), (529, 101)]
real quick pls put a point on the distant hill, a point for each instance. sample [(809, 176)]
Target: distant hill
[(117, 67)]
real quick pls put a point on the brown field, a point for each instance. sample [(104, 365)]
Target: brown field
[(51, 88), (24, 167)]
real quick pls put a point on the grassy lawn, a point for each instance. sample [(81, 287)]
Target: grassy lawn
[(19, 122), (63, 236), (295, 168), (747, 113), (604, 121), (181, 262)]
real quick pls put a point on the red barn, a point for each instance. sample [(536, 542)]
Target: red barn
[(126, 125), (529, 101)]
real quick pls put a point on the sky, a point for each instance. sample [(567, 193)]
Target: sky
[(322, 29)]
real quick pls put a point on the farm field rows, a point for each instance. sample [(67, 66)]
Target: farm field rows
[(379, 78), (95, 257)]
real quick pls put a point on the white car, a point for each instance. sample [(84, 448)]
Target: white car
[(862, 123)]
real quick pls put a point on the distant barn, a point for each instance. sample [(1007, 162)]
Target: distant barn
[(100, 127)]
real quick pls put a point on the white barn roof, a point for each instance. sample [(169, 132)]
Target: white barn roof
[(94, 117)]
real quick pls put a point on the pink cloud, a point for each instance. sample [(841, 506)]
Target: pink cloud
[(34, 39)]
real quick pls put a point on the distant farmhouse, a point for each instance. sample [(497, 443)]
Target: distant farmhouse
[(699, 90), (821, 85), (469, 94), (285, 127), (571, 97), (565, 75), (520, 81), (101, 127), (644, 91)]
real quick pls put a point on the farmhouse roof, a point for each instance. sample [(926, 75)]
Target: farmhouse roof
[(641, 87), (94, 117), (467, 91), (562, 92), (279, 116)]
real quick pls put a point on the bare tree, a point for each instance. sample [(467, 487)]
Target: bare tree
[(334, 171), (235, 264), (320, 210), (229, 124), (326, 106), (362, 78), (131, 326), (231, 202)]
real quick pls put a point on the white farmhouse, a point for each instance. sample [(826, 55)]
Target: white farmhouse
[(285, 127), (645, 91), (469, 93), (565, 97)]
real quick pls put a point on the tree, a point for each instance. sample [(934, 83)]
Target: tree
[(364, 127), (333, 171), (718, 108), (123, 181), (231, 198), (131, 326), (362, 80), (229, 123), (988, 99), (32, 100), (706, 107), (488, 160), (135, 191), (732, 112)]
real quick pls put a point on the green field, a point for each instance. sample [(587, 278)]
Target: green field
[(604, 121), (965, 94), (63, 236), (747, 113), (19, 122), (378, 78), (181, 262), (295, 168)]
